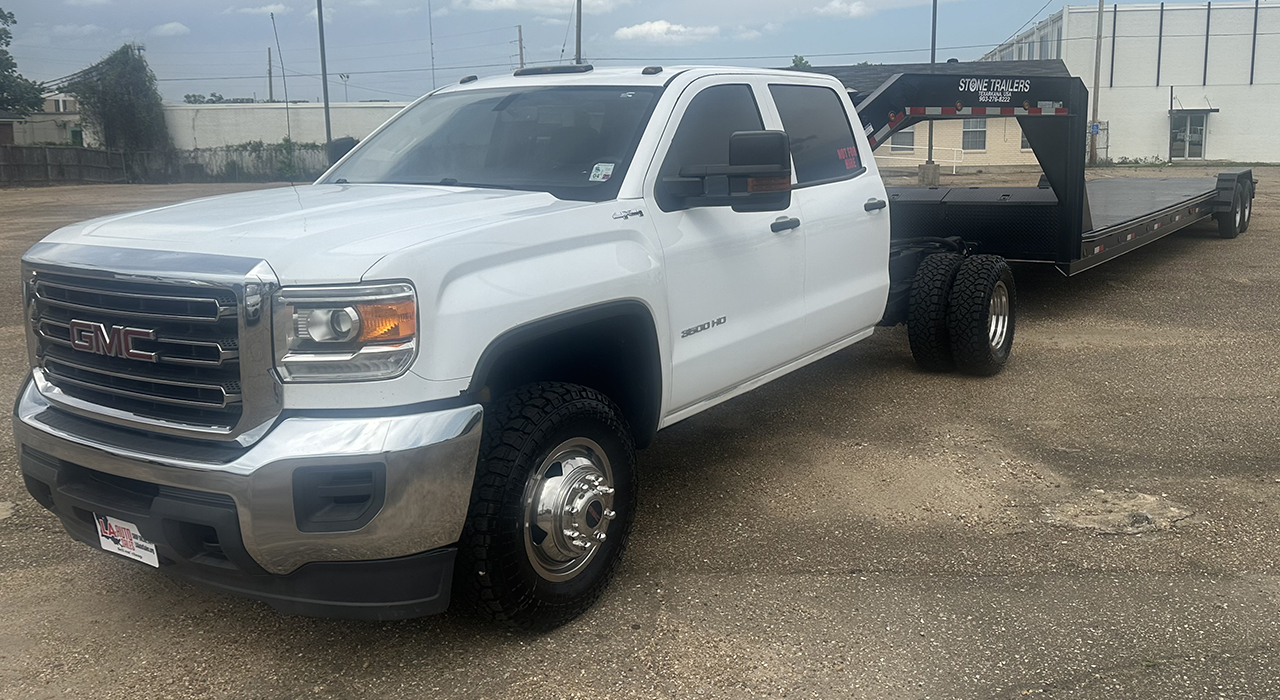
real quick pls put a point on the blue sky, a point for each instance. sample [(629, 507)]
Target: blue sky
[(221, 45)]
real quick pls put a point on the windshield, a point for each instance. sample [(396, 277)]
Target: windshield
[(573, 142)]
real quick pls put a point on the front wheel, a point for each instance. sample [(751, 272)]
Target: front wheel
[(551, 508), (981, 315)]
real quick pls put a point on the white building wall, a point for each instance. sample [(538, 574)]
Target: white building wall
[(1137, 108), (212, 126)]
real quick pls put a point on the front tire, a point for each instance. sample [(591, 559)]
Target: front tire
[(981, 317), (551, 508)]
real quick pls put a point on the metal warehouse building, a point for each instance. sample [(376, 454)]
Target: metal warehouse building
[(1188, 81)]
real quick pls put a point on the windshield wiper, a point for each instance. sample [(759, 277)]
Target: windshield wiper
[(453, 182)]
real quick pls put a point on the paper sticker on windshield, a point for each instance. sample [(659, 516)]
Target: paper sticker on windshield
[(602, 172)]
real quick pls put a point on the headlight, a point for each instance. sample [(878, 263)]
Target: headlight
[(345, 334)]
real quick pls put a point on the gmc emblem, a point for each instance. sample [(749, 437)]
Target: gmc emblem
[(116, 341)]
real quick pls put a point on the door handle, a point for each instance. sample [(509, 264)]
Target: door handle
[(874, 204), (785, 224)]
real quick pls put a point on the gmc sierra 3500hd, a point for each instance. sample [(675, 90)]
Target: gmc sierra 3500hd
[(426, 375)]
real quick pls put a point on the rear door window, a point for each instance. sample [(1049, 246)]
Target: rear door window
[(822, 144)]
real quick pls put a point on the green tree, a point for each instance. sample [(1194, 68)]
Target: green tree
[(120, 103), (198, 99), (17, 94), (798, 61)]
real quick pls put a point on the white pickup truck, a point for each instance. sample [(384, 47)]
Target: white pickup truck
[(426, 375)]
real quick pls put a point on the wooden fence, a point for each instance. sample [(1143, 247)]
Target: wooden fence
[(49, 165)]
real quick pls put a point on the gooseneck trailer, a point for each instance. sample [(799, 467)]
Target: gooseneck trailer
[(1064, 221)]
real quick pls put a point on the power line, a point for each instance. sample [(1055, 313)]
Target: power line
[(1024, 24)]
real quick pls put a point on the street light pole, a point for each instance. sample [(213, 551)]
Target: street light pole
[(324, 74)]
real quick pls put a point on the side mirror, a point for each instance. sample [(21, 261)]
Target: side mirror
[(340, 147), (757, 177)]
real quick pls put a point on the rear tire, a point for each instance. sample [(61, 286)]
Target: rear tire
[(981, 316), (1232, 223), (927, 312), (1247, 202), (555, 459)]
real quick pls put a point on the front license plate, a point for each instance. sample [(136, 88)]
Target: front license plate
[(124, 539)]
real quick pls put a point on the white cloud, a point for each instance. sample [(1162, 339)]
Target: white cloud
[(541, 7), (75, 29), (662, 31), (845, 8), (276, 8), (170, 29), (328, 14), (85, 3), (747, 34)]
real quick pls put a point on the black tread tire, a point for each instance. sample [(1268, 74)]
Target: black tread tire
[(493, 575), (1227, 227), (969, 312), (927, 311), (1247, 201)]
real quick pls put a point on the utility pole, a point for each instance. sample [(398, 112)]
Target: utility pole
[(520, 42), (324, 75), (928, 173), (431, 39), (577, 52), (1097, 80), (933, 58), (346, 96), (271, 83)]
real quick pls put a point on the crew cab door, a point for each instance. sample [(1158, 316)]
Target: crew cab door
[(735, 285), (844, 208)]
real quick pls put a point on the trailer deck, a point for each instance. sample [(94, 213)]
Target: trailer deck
[(1064, 221)]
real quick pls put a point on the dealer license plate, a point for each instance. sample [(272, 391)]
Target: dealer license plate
[(124, 539)]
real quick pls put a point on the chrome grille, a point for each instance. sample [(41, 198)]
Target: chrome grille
[(196, 373)]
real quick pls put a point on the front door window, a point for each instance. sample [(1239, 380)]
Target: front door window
[(1186, 136)]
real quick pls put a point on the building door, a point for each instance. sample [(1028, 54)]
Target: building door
[(1186, 136), (6, 133)]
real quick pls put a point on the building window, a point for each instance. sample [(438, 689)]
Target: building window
[(974, 136), (1044, 45), (904, 140)]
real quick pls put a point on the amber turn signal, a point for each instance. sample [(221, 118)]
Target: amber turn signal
[(385, 321)]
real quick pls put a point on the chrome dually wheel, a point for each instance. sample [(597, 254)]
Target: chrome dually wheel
[(568, 508)]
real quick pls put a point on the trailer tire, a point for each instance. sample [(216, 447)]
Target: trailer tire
[(555, 459), (927, 311), (1247, 201), (983, 309), (1232, 223)]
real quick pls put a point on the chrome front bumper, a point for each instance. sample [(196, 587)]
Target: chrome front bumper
[(429, 460)]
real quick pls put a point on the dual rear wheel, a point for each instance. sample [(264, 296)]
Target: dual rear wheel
[(962, 313)]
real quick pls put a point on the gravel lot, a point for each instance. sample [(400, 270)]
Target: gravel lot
[(1099, 521)]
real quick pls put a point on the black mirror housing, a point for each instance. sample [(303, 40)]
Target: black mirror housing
[(340, 147), (757, 177)]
